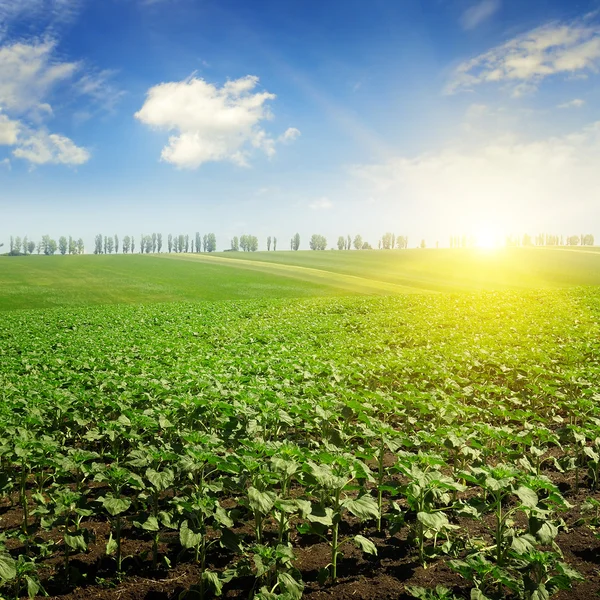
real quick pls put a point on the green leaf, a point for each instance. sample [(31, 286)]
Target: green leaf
[(187, 537), (527, 496), (115, 506), (523, 544), (33, 586), (364, 507), (151, 524), (160, 480), (111, 545), (77, 542), (8, 567), (321, 515), (291, 586), (260, 502), (435, 521), (213, 581), (230, 541), (367, 546)]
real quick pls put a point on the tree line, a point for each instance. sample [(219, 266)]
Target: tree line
[(47, 245), (541, 239), (184, 243)]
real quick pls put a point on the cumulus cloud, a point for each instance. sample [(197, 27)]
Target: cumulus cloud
[(526, 60), (577, 103), (210, 123), (5, 163), (513, 184), (8, 131), (478, 13), (42, 148), (321, 204)]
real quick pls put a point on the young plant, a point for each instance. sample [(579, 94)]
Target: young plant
[(331, 485)]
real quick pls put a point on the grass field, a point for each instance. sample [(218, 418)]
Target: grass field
[(47, 281)]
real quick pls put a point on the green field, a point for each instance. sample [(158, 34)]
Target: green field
[(47, 281)]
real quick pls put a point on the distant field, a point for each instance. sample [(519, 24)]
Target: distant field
[(47, 281)]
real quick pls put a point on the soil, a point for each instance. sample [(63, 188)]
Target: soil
[(383, 577)]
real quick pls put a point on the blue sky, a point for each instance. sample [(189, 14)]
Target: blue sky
[(422, 117)]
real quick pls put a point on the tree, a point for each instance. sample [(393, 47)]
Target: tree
[(318, 242), (348, 243), (80, 246), (341, 244), (198, 242), (268, 243), (235, 244), (110, 244), (12, 244), (126, 243), (116, 244), (158, 242), (63, 245), (132, 244), (51, 246), (423, 244), (211, 242), (25, 245), (204, 242), (72, 246), (170, 243), (98, 244), (386, 241), (31, 247), (18, 245), (187, 243), (358, 242), (274, 244), (296, 242)]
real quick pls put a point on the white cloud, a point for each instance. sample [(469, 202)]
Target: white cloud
[(321, 204), (5, 163), (526, 60), (512, 184), (478, 13), (42, 148), (289, 135), (210, 123), (9, 131), (28, 73), (577, 103)]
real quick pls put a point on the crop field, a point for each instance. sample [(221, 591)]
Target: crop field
[(383, 447)]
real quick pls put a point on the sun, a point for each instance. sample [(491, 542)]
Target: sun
[(487, 238)]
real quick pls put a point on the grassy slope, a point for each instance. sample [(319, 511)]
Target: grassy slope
[(46, 281), (40, 281), (449, 270)]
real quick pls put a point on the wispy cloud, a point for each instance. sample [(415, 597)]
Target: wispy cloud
[(523, 62), (47, 15), (577, 103), (211, 123), (478, 13)]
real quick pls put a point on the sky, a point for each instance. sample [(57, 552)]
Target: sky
[(426, 118)]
